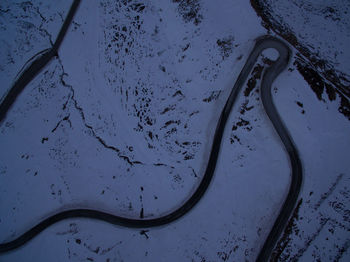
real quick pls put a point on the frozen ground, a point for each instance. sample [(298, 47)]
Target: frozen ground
[(321, 26), (319, 30), (123, 120)]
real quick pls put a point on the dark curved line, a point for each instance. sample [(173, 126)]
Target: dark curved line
[(37, 65), (297, 172), (270, 74)]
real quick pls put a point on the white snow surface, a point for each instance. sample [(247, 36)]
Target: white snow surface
[(150, 83)]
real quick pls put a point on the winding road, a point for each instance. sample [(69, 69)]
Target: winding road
[(269, 76)]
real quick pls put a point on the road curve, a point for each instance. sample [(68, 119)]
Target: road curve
[(269, 76)]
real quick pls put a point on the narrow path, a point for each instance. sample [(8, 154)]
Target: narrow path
[(270, 74)]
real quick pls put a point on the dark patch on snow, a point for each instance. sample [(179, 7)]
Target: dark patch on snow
[(170, 122), (138, 7), (186, 47), (178, 93), (66, 118), (235, 138), (162, 68), (245, 108), (251, 84), (330, 214), (225, 46), (299, 104), (285, 239), (318, 72), (242, 123), (141, 213), (144, 233), (318, 84), (167, 109), (190, 10), (312, 78), (213, 96), (329, 192)]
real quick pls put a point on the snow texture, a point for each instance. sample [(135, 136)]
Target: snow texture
[(122, 121)]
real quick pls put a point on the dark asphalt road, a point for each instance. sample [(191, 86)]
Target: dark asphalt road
[(270, 74)]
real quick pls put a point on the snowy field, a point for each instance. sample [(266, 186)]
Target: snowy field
[(122, 121)]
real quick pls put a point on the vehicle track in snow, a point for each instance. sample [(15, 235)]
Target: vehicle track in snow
[(269, 76)]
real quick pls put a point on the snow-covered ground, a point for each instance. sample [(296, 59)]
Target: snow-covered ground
[(321, 26), (319, 30), (122, 121)]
